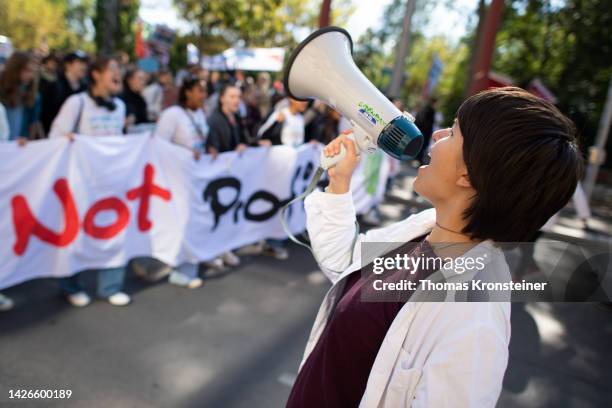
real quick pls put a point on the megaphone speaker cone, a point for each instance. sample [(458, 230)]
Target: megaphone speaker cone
[(298, 51)]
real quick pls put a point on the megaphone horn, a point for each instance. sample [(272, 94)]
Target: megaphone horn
[(322, 67)]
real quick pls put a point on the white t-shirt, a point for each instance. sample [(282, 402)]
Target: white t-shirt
[(94, 121), (183, 126), (293, 128), (153, 95), (292, 133)]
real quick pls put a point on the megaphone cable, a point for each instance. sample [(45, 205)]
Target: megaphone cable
[(311, 187)]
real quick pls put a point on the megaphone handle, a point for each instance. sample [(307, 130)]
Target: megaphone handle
[(329, 162)]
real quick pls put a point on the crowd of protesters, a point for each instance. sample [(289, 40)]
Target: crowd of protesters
[(205, 112)]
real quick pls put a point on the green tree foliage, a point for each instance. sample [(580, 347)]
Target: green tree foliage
[(375, 53), (42, 23), (569, 47), (255, 23)]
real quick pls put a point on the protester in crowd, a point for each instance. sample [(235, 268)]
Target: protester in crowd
[(185, 125), (181, 74), (69, 82), (123, 59), (4, 126), (135, 104), (169, 90), (47, 82), (227, 133), (215, 83), (239, 78), (96, 112), (19, 95), (201, 73), (252, 118), (174, 122), (278, 99), (427, 352), (284, 127), (425, 120), (263, 93), (49, 67), (226, 128), (153, 94)]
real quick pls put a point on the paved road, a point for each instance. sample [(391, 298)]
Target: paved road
[(236, 342)]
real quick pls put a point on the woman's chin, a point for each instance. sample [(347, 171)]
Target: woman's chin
[(416, 186)]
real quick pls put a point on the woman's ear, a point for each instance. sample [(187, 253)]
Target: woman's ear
[(464, 181)]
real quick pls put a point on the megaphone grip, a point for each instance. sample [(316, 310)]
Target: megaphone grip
[(329, 162)]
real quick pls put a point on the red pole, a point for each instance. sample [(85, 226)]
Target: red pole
[(324, 16), (486, 47)]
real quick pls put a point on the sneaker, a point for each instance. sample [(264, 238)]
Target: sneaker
[(178, 279), (230, 259), (79, 299), (276, 252), (6, 303), (216, 265), (119, 299), (253, 249)]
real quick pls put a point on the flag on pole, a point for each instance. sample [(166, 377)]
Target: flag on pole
[(433, 76)]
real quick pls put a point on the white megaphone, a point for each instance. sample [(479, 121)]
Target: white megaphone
[(322, 67)]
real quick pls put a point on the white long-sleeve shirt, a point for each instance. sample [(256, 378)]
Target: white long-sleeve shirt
[(435, 354), (183, 126), (94, 120), (292, 133)]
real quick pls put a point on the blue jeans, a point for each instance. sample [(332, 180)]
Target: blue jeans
[(190, 270), (110, 281), (276, 243)]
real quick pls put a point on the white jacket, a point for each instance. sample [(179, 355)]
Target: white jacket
[(435, 354)]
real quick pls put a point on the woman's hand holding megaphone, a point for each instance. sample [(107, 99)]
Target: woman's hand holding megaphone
[(340, 174)]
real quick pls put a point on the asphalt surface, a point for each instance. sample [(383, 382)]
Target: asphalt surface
[(235, 342)]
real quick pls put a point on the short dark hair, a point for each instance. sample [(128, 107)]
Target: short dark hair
[(522, 159), (75, 56)]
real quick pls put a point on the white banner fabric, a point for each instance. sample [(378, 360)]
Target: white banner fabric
[(98, 202)]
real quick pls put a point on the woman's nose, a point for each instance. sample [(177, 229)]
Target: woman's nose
[(438, 134)]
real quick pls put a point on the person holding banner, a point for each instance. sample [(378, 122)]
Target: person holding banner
[(96, 112), (135, 104), (227, 132), (508, 163), (283, 127), (185, 125)]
